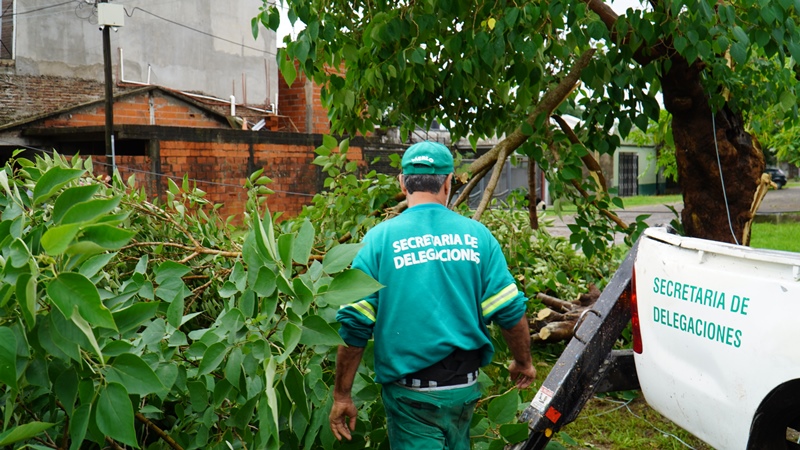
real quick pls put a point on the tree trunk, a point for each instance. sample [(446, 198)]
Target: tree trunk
[(699, 157)]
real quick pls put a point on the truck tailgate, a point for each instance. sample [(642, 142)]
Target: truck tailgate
[(719, 330)]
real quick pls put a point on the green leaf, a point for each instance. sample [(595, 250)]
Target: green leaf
[(134, 374), (295, 387), (115, 414), (303, 243), (266, 282), (233, 367), (66, 389), (94, 264), (503, 409), (134, 316), (317, 331), (8, 357), (106, 237), (339, 258), (23, 432), (26, 297), (19, 253), (84, 326), (175, 311), (53, 180), (170, 269), (788, 100), (739, 53), (228, 290), (740, 35), (238, 276), (212, 358), (350, 286), (304, 297), (89, 210), (78, 424), (287, 68), (291, 337), (515, 432), (254, 26), (56, 240), (72, 290), (270, 367), (285, 244), (265, 237)]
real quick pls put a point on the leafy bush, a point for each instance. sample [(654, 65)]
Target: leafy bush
[(98, 341), (126, 322)]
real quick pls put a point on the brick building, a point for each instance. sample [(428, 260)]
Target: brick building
[(162, 133)]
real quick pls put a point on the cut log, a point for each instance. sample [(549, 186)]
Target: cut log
[(557, 321)]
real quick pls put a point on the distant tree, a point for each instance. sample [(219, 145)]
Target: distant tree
[(503, 68), (659, 134)]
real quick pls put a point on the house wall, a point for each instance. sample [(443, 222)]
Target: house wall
[(172, 38), (648, 171)]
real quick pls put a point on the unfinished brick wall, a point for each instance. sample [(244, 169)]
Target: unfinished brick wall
[(300, 106)]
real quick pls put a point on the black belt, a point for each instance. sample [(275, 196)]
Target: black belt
[(457, 380)]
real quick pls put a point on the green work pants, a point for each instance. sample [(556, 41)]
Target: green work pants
[(429, 420)]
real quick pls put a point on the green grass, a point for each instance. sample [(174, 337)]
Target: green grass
[(621, 420), (637, 200), (625, 421), (646, 200), (780, 236)]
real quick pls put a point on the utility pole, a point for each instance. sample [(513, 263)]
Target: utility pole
[(109, 97)]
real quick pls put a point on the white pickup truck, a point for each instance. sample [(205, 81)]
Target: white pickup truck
[(716, 344)]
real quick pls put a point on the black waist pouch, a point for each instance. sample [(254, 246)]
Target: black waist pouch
[(458, 363)]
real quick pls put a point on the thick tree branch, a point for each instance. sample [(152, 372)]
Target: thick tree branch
[(533, 215), (644, 54)]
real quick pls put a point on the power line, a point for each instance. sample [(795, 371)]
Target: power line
[(40, 9), (6, 17), (156, 174)]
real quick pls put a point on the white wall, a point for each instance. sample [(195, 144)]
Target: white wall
[(203, 45)]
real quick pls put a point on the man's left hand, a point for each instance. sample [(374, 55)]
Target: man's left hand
[(521, 374), (343, 418)]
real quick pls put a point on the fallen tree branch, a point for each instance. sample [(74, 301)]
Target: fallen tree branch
[(555, 303), (468, 188), (196, 250)]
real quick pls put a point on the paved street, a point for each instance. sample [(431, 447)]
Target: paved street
[(786, 200)]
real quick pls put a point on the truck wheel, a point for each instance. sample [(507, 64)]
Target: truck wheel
[(777, 422)]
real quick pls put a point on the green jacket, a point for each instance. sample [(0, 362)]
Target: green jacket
[(445, 280)]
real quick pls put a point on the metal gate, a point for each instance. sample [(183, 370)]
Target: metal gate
[(628, 174)]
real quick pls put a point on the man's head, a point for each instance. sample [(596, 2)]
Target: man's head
[(427, 158), (426, 166)]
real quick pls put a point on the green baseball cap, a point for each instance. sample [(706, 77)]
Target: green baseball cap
[(427, 158)]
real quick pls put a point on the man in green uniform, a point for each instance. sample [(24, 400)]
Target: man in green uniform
[(445, 280)]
